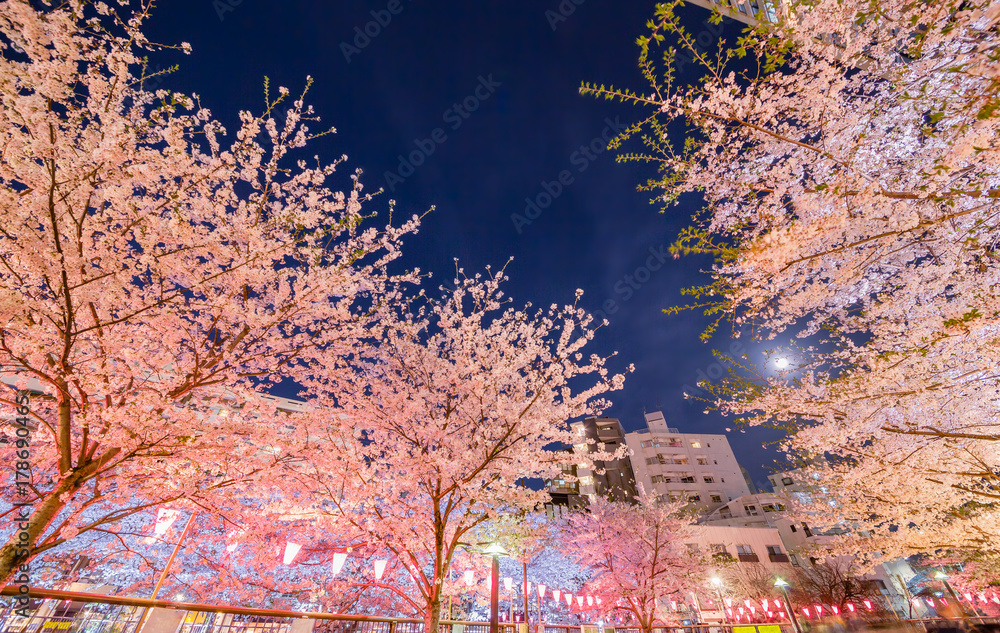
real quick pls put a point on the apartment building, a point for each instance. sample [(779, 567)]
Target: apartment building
[(612, 479), (699, 468)]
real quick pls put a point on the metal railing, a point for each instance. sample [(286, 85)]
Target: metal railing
[(74, 612)]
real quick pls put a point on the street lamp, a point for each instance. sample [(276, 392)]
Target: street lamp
[(717, 583), (781, 584), (495, 550), (943, 577)]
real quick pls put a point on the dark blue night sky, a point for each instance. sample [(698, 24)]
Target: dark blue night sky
[(513, 72)]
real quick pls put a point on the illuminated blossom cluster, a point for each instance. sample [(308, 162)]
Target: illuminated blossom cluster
[(848, 160)]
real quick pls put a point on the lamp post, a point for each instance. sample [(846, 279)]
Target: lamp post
[(717, 583), (781, 584), (943, 577), (495, 550)]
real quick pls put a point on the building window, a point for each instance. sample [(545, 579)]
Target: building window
[(794, 529), (693, 548), (687, 478), (675, 441), (805, 528), (694, 498), (709, 480), (719, 552), (716, 498), (652, 460), (695, 444), (680, 459), (751, 510), (786, 481), (703, 461), (774, 549), (645, 443), (746, 555), (794, 560), (709, 445), (657, 479)]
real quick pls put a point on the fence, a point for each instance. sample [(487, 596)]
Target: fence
[(73, 612)]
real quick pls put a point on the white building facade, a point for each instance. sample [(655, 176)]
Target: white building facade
[(698, 468)]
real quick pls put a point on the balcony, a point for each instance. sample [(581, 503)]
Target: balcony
[(749, 558), (778, 558)]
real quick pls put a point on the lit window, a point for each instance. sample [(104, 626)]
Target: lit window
[(716, 498), (695, 444), (709, 480)]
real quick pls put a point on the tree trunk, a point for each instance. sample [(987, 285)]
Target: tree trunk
[(432, 616), (17, 552)]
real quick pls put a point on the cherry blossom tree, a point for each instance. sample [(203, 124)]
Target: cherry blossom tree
[(636, 552), (442, 426), (157, 279), (847, 157)]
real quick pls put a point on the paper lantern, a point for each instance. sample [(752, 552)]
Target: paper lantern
[(338, 562), (729, 611), (555, 594), (868, 604), (850, 607), (968, 596), (470, 577), (835, 609), (508, 583), (673, 605), (541, 591), (729, 602), (379, 569), (590, 601), (579, 601), (746, 603), (805, 610), (753, 610), (527, 589), (165, 517), (291, 549), (598, 601), (569, 599), (763, 603), (819, 610), (930, 603), (994, 599)]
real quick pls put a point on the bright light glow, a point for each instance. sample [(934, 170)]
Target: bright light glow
[(165, 517), (763, 603), (590, 601), (868, 604), (508, 583), (715, 580), (579, 601), (555, 594), (940, 575), (338, 562), (780, 583), (569, 598), (819, 609), (470, 577), (781, 363), (379, 569), (850, 607), (180, 597), (541, 591), (291, 549)]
